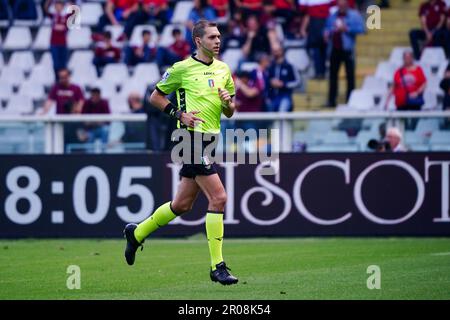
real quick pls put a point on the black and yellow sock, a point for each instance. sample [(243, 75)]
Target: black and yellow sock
[(214, 232), (162, 216)]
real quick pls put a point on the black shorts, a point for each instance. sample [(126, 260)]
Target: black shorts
[(193, 169)]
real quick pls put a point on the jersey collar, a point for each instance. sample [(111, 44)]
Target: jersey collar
[(206, 64)]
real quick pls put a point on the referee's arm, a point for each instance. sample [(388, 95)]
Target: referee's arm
[(159, 100)]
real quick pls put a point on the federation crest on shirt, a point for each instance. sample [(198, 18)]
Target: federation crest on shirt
[(211, 83)]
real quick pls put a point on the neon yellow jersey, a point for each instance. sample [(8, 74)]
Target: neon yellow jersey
[(196, 84)]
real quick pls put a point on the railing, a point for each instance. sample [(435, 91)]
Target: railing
[(54, 124)]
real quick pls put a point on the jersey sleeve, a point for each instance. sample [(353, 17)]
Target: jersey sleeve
[(230, 84), (170, 81)]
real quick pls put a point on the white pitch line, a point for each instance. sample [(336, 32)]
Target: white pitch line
[(441, 254)]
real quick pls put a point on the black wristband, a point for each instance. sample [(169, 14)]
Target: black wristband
[(171, 110)]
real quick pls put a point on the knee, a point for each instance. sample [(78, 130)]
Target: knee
[(180, 207), (218, 201)]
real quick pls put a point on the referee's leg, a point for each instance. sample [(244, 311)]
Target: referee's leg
[(135, 234), (214, 191)]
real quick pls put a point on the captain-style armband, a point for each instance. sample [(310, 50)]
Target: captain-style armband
[(173, 111)]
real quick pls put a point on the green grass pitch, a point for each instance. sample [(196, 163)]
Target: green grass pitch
[(291, 268)]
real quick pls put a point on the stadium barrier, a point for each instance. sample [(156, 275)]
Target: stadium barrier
[(53, 138), (326, 194)]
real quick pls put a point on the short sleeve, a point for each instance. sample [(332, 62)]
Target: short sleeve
[(170, 81), (229, 85)]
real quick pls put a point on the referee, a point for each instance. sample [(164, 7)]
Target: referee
[(204, 89)]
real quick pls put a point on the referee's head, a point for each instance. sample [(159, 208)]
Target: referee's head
[(206, 37)]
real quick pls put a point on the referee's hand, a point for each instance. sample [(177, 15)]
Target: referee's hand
[(224, 96), (189, 119)]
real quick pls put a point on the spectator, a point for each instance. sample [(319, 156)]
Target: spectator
[(234, 37), (65, 94), (154, 12), (144, 53), (177, 51), (135, 132), (293, 29), (58, 38), (408, 87), (432, 18), (250, 7), (445, 86), (258, 40), (116, 11), (201, 10), (105, 52), (284, 78), (285, 9), (74, 132), (96, 105), (261, 76), (443, 36), (249, 96), (221, 7), (316, 14), (24, 10), (5, 11), (340, 32), (394, 139)]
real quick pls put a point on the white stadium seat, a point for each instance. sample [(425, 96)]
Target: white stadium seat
[(46, 60), (84, 75), (427, 126), (232, 57), (6, 90), (116, 73), (43, 75), (336, 137), (12, 75), (166, 35), (23, 60), (91, 12), (361, 100), (80, 58), (396, 57), (18, 38), (79, 38), (147, 73), (182, 11), (42, 40), (298, 58), (133, 86), (440, 137), (19, 104), (34, 90), (385, 70), (431, 101), (249, 66), (374, 83), (107, 89), (433, 56), (119, 104), (136, 36), (2, 62)]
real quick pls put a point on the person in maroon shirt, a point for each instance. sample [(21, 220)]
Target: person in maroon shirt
[(432, 18), (66, 95), (178, 50), (96, 105), (58, 38), (249, 98), (105, 52)]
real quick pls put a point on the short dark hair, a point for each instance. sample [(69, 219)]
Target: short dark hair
[(176, 31), (144, 32), (95, 90), (199, 28)]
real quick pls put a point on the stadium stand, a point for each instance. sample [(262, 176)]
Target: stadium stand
[(26, 71)]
